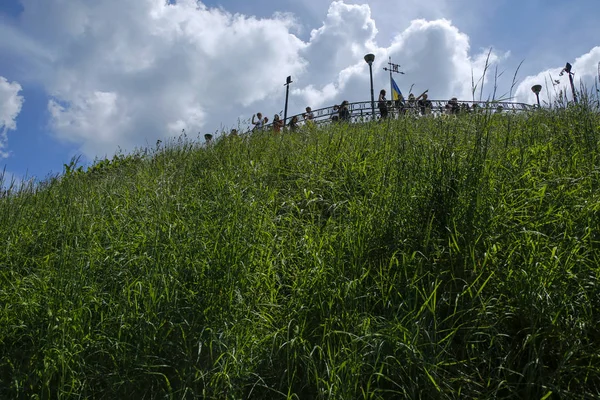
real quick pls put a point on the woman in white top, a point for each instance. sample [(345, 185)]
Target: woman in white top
[(258, 125), (308, 115)]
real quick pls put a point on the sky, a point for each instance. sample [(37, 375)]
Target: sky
[(89, 78)]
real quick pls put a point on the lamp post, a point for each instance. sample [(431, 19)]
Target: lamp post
[(537, 89), (288, 80), (369, 58), (567, 69)]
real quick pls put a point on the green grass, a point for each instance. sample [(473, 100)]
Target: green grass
[(422, 258)]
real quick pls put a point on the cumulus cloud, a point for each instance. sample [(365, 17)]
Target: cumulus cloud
[(435, 55), (554, 86), (334, 53), (129, 73), (10, 107), (124, 74)]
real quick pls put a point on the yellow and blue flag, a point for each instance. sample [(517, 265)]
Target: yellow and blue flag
[(396, 93)]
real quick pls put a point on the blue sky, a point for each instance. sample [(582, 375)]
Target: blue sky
[(87, 78)]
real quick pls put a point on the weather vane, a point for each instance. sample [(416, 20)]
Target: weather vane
[(393, 68)]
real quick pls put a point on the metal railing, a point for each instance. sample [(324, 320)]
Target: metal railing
[(361, 111)]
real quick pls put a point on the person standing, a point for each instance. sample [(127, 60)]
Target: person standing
[(308, 115), (277, 123), (415, 102), (382, 104), (344, 111), (293, 125), (411, 104), (259, 123), (452, 107), (399, 104), (425, 104)]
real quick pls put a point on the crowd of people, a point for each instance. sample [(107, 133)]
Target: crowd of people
[(413, 105), (259, 122), (420, 105)]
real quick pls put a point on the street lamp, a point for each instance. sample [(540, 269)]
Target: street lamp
[(288, 80), (537, 89), (369, 58), (567, 69)]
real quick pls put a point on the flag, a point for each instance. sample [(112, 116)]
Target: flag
[(396, 93)]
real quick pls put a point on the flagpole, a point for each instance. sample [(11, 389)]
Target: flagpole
[(391, 86)]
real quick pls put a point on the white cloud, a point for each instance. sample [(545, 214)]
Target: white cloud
[(434, 55), (317, 97), (130, 73), (124, 74), (586, 72), (10, 107), (335, 54), (13, 41)]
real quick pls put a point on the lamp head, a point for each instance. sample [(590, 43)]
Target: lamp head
[(369, 58), (536, 89), (568, 68)]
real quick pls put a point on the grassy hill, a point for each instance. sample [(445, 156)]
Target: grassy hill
[(419, 258)]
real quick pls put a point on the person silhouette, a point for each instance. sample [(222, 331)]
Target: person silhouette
[(344, 111), (424, 104), (452, 107), (382, 104), (293, 125)]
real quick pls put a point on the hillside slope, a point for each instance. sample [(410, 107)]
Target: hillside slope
[(420, 258)]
